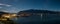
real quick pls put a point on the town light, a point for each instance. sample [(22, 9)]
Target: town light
[(7, 16)]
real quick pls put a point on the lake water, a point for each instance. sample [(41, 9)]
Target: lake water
[(35, 19)]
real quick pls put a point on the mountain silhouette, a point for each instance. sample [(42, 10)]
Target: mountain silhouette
[(39, 11), (1, 12)]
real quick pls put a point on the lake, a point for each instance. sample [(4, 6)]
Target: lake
[(36, 19)]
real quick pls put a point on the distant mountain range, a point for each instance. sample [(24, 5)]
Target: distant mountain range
[(40, 11)]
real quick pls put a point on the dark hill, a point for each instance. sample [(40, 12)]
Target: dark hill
[(1, 13), (40, 11)]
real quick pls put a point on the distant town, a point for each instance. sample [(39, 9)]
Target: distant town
[(5, 16), (27, 13)]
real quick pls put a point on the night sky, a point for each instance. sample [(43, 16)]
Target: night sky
[(15, 6)]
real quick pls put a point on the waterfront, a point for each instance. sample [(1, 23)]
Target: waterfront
[(47, 19), (30, 17)]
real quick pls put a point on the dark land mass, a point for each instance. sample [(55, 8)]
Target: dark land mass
[(52, 17)]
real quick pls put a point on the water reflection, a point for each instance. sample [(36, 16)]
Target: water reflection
[(47, 19)]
